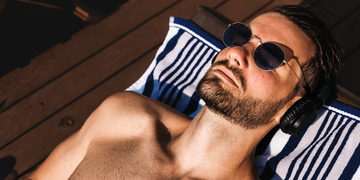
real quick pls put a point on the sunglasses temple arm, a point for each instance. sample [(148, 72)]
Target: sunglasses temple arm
[(302, 83)]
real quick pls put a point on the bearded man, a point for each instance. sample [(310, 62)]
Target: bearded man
[(269, 64)]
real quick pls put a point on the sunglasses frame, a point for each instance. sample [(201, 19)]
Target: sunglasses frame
[(256, 50)]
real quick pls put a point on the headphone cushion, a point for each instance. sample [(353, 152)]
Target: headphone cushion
[(296, 112)]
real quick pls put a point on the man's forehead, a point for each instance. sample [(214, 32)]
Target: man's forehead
[(275, 27), (271, 19)]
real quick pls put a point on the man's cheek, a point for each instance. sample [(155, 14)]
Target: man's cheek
[(262, 86)]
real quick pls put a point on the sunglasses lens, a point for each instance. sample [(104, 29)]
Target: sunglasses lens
[(268, 56), (236, 35)]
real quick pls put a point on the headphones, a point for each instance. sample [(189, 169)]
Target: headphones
[(304, 111)]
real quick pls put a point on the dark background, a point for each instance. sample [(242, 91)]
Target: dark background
[(30, 27)]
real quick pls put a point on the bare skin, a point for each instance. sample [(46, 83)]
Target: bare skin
[(130, 136)]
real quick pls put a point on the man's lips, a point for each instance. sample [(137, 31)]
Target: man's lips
[(227, 75)]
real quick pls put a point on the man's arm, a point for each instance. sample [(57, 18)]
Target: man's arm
[(62, 161)]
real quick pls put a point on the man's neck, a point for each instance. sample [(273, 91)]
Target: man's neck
[(212, 145)]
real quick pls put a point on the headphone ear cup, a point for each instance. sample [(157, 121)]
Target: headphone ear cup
[(299, 116)]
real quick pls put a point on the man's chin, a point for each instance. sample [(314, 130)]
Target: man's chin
[(233, 105)]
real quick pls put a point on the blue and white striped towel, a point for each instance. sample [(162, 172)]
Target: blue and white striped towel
[(329, 149), (179, 64)]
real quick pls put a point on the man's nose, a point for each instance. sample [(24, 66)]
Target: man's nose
[(238, 57)]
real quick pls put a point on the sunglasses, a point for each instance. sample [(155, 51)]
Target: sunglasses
[(267, 56)]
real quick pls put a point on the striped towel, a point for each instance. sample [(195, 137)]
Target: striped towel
[(329, 149), (179, 64)]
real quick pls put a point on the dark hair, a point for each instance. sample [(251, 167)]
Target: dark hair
[(323, 67)]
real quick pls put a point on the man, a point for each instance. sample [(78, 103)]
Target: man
[(133, 137)]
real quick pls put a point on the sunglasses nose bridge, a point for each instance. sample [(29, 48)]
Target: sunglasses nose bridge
[(257, 38)]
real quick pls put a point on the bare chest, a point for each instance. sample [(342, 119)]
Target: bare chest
[(133, 159)]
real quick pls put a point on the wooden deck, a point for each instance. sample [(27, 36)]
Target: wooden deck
[(48, 100)]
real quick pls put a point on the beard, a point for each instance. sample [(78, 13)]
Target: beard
[(246, 111)]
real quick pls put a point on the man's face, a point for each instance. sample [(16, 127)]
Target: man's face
[(235, 87)]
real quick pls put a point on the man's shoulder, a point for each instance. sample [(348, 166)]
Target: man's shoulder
[(130, 113), (124, 119), (133, 104)]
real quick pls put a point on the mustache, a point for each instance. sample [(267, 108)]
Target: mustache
[(236, 71)]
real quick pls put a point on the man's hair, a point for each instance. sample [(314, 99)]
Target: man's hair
[(324, 65)]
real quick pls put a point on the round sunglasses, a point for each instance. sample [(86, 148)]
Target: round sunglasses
[(267, 56)]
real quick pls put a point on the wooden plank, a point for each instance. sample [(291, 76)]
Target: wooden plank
[(240, 10), (94, 16), (339, 8), (54, 96), (270, 5), (347, 32), (58, 94), (62, 58), (328, 18), (349, 73), (38, 143), (76, 84)]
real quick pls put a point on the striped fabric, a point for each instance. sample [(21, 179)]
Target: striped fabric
[(329, 149), (180, 62)]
